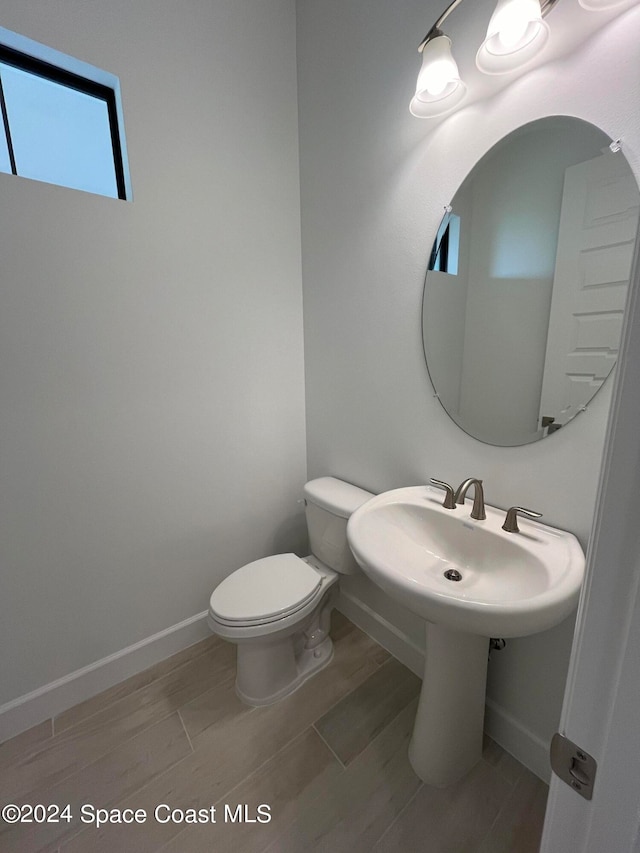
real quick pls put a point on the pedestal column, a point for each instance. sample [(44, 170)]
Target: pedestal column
[(447, 735)]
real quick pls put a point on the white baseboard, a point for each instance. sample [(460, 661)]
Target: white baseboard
[(389, 636), (512, 735), (26, 711), (528, 747)]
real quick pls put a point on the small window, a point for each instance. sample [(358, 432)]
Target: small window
[(59, 126), (446, 248)]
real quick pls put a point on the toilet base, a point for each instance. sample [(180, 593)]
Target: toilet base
[(266, 674)]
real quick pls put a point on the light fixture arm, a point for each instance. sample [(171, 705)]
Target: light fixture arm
[(435, 29), (545, 7)]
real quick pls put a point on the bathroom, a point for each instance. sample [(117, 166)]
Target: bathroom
[(174, 369)]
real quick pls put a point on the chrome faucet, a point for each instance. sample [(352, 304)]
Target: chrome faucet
[(477, 511)]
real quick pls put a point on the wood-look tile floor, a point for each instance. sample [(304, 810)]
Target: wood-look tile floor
[(329, 762)]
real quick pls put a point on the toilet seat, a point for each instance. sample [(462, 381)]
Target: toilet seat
[(265, 591)]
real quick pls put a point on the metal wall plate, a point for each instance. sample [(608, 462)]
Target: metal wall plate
[(573, 765)]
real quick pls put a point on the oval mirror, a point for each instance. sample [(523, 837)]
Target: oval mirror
[(527, 282)]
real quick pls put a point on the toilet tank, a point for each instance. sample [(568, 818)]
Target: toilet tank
[(328, 504)]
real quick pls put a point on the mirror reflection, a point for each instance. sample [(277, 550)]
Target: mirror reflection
[(527, 282)]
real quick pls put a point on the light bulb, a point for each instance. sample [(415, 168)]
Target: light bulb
[(512, 31), (439, 76)]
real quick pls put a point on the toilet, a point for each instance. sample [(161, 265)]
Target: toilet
[(277, 609)]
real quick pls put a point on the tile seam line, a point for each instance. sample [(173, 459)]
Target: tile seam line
[(126, 695), (102, 755), (242, 781)]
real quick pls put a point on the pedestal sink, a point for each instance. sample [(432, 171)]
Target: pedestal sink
[(470, 580)]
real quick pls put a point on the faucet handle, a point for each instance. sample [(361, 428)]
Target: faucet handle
[(449, 500), (511, 520)]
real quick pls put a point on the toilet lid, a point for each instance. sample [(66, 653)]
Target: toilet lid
[(265, 589)]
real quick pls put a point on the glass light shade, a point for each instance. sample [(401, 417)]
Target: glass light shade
[(516, 33), (439, 88)]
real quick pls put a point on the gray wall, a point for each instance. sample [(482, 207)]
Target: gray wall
[(151, 363), (374, 182)]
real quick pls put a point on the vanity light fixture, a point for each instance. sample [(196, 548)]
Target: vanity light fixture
[(516, 33)]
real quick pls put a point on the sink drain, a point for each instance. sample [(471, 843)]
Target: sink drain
[(453, 575)]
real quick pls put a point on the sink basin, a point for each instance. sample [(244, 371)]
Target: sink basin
[(506, 585), (512, 584)]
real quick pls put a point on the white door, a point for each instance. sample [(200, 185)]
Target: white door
[(601, 710), (598, 224)]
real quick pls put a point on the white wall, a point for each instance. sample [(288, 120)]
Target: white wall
[(151, 362), (374, 182)]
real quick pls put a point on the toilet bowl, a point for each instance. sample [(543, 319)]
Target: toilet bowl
[(277, 609)]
